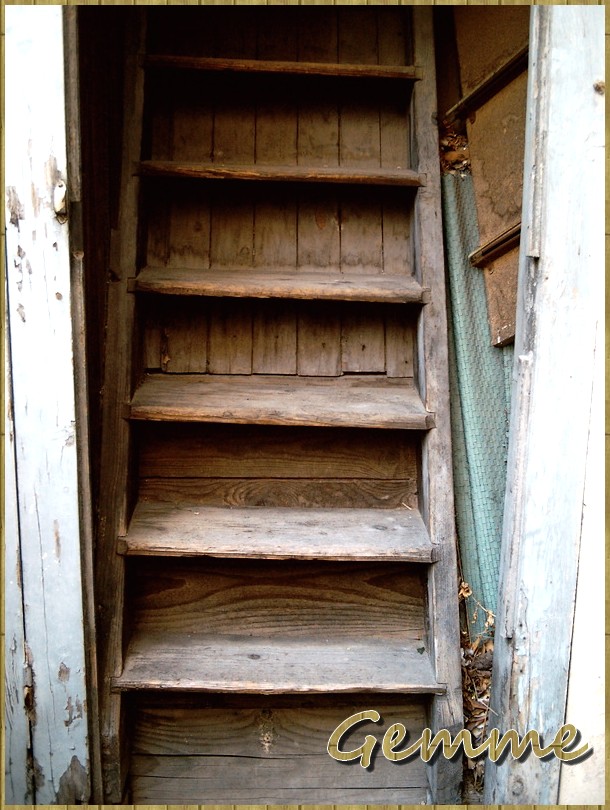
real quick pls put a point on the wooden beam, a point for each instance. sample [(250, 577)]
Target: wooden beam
[(437, 477), (557, 343), (488, 88), (496, 247)]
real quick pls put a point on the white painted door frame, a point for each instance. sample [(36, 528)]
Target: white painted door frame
[(48, 751), (549, 646)]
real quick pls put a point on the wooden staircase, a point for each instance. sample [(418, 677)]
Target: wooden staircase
[(276, 544)]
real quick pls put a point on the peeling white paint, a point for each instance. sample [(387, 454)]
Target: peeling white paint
[(38, 303)]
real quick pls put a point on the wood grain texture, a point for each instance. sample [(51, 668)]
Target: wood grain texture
[(268, 735), (399, 344), (274, 452), (274, 339), (117, 458), (273, 733), (210, 664), (230, 338), (339, 534), (314, 493), (362, 341), (266, 599), (280, 282), (290, 67), (279, 173), (319, 341), (184, 341), (501, 291), (437, 481), (301, 723), (317, 401)]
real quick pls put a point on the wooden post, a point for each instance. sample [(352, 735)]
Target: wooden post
[(45, 431), (437, 473), (554, 421)]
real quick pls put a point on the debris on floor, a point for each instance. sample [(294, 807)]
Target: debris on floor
[(477, 660)]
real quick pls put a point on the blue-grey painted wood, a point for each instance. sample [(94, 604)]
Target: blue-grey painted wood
[(554, 422), (17, 775), (39, 313)]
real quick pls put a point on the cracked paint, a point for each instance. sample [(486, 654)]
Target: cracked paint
[(73, 784), (57, 538), (64, 673)]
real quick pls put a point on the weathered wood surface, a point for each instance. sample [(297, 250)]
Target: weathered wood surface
[(281, 283), (282, 173), (313, 493), (437, 479), (494, 75), (229, 344), (243, 336), (560, 285), (209, 663), (319, 340), (280, 735), (202, 226), (86, 412), (362, 342), (487, 40), (333, 534), (44, 431), (270, 599), (239, 465), (357, 71), (222, 451), (318, 401), (115, 480), (501, 292)]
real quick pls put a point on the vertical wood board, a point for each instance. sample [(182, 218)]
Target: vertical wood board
[(116, 485), (39, 311), (553, 417), (18, 782), (437, 478)]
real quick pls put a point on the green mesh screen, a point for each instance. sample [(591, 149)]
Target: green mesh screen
[(480, 384)]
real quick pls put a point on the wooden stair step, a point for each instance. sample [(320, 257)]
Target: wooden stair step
[(250, 282), (342, 70), (282, 173), (167, 529), (232, 664), (352, 401)]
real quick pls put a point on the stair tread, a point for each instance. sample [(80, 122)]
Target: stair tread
[(350, 401), (281, 283), (168, 529), (282, 173), (238, 664), (306, 68)]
